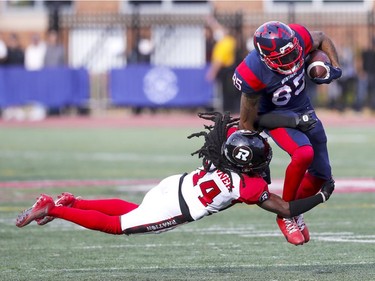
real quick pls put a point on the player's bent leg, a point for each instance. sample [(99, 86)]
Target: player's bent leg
[(289, 228), (40, 209), (65, 199), (303, 227), (301, 159), (310, 185)]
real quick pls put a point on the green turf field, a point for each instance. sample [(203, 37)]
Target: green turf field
[(242, 243)]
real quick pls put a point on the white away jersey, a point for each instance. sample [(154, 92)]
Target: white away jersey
[(210, 192)]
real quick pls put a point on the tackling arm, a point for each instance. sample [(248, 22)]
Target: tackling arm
[(294, 208), (248, 111)]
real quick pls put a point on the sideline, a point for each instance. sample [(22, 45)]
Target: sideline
[(348, 185)]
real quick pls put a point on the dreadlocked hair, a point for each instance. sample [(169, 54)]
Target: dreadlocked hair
[(215, 136)]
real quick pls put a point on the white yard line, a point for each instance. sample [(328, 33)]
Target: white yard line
[(349, 185)]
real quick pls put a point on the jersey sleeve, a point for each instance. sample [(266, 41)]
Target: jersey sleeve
[(304, 35), (255, 190), (245, 79)]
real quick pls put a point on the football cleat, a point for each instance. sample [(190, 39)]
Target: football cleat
[(40, 209), (303, 227), (289, 228), (65, 199)]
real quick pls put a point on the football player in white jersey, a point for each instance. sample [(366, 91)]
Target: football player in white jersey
[(233, 163)]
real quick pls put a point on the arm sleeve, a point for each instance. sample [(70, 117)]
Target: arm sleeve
[(300, 206), (277, 120)]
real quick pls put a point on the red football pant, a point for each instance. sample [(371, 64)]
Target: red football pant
[(310, 185), (301, 159), (101, 215)]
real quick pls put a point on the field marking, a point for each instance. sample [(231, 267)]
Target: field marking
[(349, 185), (180, 119), (97, 156)]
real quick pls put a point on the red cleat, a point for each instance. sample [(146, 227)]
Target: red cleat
[(303, 227), (289, 228), (65, 199), (40, 209)]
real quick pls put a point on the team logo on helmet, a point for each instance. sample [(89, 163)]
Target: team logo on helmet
[(242, 154), (248, 151)]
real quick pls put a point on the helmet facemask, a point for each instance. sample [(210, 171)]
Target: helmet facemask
[(278, 47), (288, 61)]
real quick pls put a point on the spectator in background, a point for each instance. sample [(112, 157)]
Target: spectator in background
[(3, 50), (35, 53), (209, 43), (362, 85), (368, 58), (334, 93), (222, 67), (55, 54), (142, 49), (349, 79), (141, 54), (16, 55)]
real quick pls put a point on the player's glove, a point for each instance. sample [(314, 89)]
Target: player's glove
[(327, 189), (306, 121), (334, 73)]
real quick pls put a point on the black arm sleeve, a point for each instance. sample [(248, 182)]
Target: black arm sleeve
[(300, 206), (277, 120)]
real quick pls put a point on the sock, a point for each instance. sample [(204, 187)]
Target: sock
[(310, 185), (112, 207), (301, 159), (90, 219)]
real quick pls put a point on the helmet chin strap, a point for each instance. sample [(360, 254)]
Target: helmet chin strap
[(260, 50), (294, 69)]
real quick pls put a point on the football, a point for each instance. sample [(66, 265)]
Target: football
[(315, 64)]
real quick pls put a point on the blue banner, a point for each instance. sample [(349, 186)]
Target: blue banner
[(159, 86), (51, 87)]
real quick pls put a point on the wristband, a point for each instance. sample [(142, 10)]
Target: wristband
[(324, 197)]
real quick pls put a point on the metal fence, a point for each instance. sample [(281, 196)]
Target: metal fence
[(101, 42)]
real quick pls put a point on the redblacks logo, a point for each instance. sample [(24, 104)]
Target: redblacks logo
[(243, 154)]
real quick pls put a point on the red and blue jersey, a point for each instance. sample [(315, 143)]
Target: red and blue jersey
[(278, 91)]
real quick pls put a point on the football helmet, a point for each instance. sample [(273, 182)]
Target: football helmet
[(278, 47), (248, 151)]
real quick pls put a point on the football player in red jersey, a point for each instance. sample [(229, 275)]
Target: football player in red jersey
[(232, 163), (272, 81)]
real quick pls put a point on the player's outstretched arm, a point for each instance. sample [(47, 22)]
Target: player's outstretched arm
[(294, 208)]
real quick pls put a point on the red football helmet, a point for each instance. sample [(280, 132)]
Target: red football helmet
[(278, 47)]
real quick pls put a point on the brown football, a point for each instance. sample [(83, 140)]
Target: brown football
[(315, 64)]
